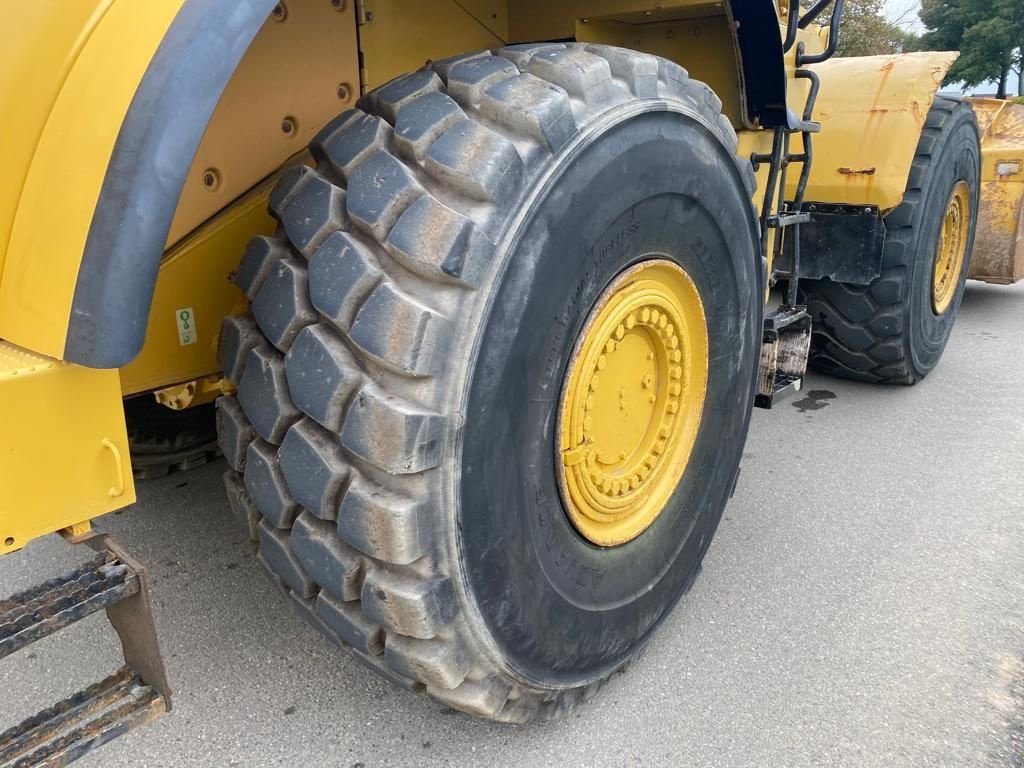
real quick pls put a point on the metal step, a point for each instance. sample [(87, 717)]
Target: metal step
[(35, 613), (135, 694), (785, 344), (778, 220), (82, 722)]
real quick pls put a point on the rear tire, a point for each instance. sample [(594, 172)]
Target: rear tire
[(162, 440), (889, 331), (391, 444)]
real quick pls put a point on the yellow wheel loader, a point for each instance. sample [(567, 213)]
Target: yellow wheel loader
[(477, 292)]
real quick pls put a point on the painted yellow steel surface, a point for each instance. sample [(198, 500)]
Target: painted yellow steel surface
[(951, 248), (39, 43), (195, 278), (300, 71), (63, 447), (546, 20), (871, 110), (632, 402), (397, 36), (998, 255), (87, 87), (703, 45)]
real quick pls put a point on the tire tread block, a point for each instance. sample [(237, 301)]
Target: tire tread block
[(263, 394), (234, 432), (334, 565), (410, 606), (314, 468), (351, 625), (321, 375), (277, 554), (266, 485)]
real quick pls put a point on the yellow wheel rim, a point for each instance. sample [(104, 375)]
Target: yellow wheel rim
[(952, 248), (632, 402)]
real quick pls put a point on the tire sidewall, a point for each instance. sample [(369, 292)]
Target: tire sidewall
[(955, 159), (559, 611)]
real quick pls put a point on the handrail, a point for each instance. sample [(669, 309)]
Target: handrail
[(803, 59)]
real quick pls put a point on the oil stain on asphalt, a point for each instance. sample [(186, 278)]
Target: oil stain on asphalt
[(814, 400)]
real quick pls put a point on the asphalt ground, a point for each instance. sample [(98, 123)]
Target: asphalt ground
[(861, 605)]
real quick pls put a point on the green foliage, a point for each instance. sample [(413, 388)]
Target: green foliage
[(866, 32), (988, 34)]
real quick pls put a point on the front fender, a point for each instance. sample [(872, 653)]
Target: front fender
[(872, 110), (107, 167)]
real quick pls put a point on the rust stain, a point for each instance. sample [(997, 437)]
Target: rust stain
[(915, 110), (860, 172), (886, 70)]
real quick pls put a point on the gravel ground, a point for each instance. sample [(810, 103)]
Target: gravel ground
[(861, 605)]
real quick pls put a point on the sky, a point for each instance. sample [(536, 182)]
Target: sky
[(904, 13)]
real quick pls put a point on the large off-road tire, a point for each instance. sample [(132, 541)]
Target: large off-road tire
[(891, 330), (393, 440), (162, 440)]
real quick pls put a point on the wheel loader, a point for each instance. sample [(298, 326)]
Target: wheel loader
[(472, 297)]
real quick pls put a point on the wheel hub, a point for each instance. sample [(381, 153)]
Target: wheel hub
[(632, 402), (952, 248)]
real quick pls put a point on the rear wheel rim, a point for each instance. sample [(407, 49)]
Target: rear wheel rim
[(951, 249), (632, 401)]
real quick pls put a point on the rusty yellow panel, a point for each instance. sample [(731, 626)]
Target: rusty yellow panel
[(998, 255), (193, 293), (300, 71), (703, 45), (63, 448), (871, 110), (397, 36)]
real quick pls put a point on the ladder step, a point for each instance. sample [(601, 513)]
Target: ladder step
[(796, 124), (785, 342), (52, 605), (80, 723), (779, 220)]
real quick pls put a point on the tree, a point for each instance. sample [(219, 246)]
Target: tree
[(988, 34), (1019, 69), (864, 30)]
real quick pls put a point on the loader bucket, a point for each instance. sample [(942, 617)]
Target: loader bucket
[(998, 255)]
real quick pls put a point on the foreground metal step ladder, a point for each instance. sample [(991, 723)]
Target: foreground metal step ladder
[(786, 338), (137, 693)]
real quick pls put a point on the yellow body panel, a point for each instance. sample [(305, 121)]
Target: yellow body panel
[(397, 36), (69, 164), (998, 255), (547, 20), (301, 70), (871, 110), (63, 447), (196, 276), (703, 43), (41, 41)]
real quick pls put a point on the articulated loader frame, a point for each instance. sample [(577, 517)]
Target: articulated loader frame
[(134, 181)]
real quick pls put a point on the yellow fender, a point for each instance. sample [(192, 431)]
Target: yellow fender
[(872, 110), (97, 156)]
